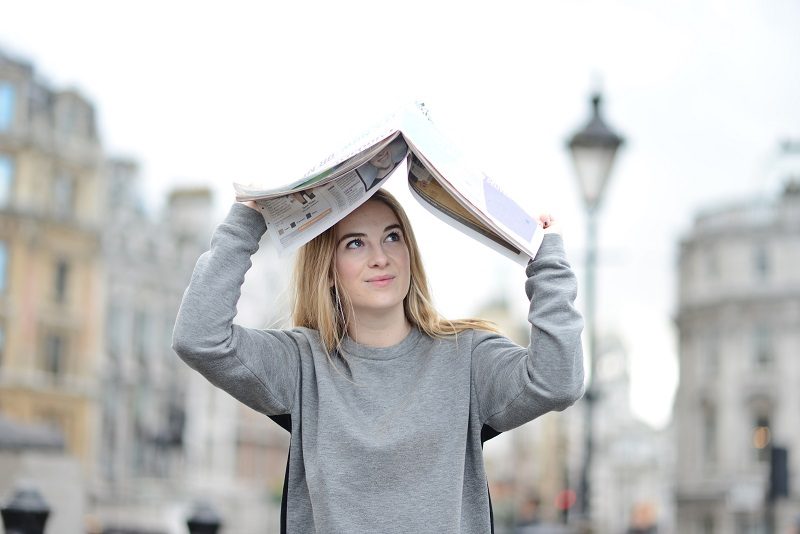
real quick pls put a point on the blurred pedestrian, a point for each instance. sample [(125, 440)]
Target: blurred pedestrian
[(528, 515), (643, 519)]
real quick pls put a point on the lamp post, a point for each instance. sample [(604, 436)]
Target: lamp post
[(593, 149)]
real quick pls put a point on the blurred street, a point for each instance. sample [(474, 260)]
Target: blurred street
[(664, 137)]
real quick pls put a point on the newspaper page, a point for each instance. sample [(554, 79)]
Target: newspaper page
[(475, 191), (439, 202), (455, 192), (298, 217)]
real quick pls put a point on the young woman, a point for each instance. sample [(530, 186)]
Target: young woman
[(387, 402)]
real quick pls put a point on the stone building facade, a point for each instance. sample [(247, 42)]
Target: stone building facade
[(50, 260), (142, 398), (739, 337), (90, 284), (169, 439), (634, 462)]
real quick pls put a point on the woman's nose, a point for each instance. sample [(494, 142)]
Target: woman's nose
[(379, 257)]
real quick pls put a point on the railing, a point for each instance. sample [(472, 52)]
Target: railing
[(25, 513)]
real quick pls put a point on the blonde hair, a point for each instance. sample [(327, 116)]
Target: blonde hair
[(319, 303)]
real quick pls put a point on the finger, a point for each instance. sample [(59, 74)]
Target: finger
[(546, 219)]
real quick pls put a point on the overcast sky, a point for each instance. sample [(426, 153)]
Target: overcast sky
[(209, 93)]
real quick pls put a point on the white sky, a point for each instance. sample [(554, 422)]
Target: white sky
[(208, 93)]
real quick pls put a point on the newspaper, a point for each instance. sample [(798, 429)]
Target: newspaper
[(407, 145)]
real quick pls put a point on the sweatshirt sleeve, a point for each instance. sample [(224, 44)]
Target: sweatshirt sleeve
[(258, 367), (515, 385)]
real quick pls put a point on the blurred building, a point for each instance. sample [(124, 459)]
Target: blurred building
[(90, 285), (235, 457), (169, 438), (536, 466), (147, 263), (739, 323), (50, 258), (527, 467), (634, 463)]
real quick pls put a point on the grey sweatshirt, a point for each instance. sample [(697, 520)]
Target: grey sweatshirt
[(392, 443)]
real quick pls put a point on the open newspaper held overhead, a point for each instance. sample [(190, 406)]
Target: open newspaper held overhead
[(406, 145)]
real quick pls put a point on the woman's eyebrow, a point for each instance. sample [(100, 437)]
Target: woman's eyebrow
[(392, 227), (348, 236)]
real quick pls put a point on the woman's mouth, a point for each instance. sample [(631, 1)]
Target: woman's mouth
[(381, 281)]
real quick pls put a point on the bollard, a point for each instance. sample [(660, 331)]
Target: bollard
[(25, 513), (204, 520)]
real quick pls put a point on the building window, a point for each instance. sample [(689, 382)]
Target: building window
[(707, 524), (142, 415), (763, 356), (761, 263), (141, 336), (709, 434), (2, 345), (109, 449), (712, 355), (55, 355), (61, 281), (7, 99), (762, 437), (3, 266), (712, 263), (114, 332), (750, 524), (69, 118), (6, 179), (63, 195)]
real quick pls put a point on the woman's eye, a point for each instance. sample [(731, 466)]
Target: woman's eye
[(393, 236), (355, 243)]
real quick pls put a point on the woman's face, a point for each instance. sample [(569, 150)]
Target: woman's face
[(372, 260), (383, 160)]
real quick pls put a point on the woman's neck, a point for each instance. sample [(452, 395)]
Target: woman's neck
[(379, 331)]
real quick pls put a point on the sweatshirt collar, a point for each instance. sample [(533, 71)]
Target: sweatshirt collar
[(351, 348)]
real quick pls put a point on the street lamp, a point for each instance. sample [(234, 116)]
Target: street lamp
[(593, 149)]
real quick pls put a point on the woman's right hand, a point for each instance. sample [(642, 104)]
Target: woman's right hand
[(251, 204), (549, 224)]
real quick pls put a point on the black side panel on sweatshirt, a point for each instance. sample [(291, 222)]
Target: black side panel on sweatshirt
[(488, 433), (285, 422), (285, 494)]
